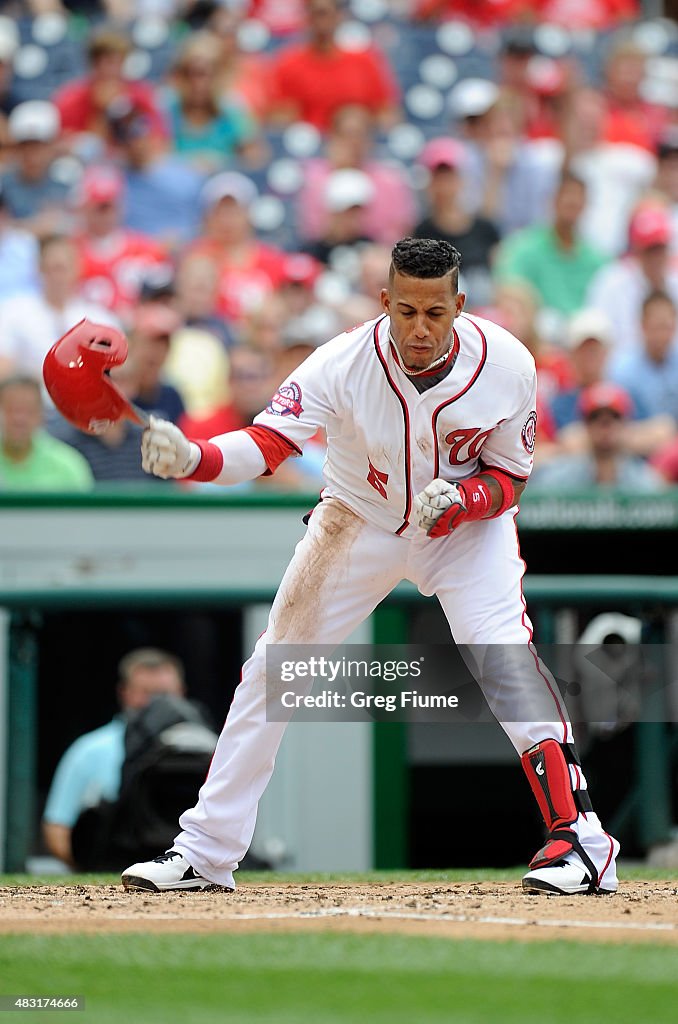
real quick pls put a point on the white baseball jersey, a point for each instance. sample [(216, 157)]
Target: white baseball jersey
[(386, 441)]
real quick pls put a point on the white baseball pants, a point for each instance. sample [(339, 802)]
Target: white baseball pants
[(341, 570)]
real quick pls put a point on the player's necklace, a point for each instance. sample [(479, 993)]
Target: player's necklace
[(426, 369)]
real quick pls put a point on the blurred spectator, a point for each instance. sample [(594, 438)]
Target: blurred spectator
[(197, 296), (390, 213), (297, 289), (150, 338), (516, 307), (31, 323), (33, 193), (311, 81), (616, 173), (84, 104), (372, 277), (620, 288), (553, 257), (161, 192), (629, 117), (650, 375), (243, 77), (9, 44), (206, 127), (90, 769), (589, 341), (249, 270), (509, 179), (605, 408), (18, 256), (113, 258), (252, 381), (113, 456), (348, 193), (666, 183), (262, 327), (31, 460), (448, 218)]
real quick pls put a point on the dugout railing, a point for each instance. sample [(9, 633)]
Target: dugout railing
[(65, 552)]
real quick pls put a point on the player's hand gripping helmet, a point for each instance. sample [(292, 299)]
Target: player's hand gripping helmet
[(76, 378)]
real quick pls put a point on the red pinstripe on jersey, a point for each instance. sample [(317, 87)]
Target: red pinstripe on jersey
[(406, 419), (449, 401)]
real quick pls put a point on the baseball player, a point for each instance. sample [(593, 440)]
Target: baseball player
[(430, 420)]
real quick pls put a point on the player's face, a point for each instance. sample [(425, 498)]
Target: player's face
[(422, 312)]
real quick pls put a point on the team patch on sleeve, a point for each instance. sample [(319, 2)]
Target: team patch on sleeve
[(286, 401), (529, 433)]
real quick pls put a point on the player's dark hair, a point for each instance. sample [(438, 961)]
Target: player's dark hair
[(425, 258)]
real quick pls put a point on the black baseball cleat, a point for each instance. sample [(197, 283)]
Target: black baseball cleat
[(563, 879), (170, 872)]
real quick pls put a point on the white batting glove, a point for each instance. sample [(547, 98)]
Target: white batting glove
[(166, 452), (433, 501)]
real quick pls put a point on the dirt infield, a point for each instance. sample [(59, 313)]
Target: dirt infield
[(640, 912)]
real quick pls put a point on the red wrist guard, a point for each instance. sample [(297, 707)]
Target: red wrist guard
[(477, 502), (508, 492), (211, 462)]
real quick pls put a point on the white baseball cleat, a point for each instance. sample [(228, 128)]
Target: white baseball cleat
[(563, 879), (167, 873)]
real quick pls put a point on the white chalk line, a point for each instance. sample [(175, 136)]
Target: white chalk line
[(306, 915)]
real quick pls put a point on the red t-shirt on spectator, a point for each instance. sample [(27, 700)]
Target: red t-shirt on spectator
[(81, 113), (111, 270), (318, 84), (244, 285)]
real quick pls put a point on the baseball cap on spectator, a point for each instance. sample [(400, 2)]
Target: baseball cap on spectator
[(9, 39), (228, 185), (346, 189), (588, 323), (101, 184), (34, 121), (604, 396), (473, 97), (156, 320), (650, 226), (442, 152), (302, 269)]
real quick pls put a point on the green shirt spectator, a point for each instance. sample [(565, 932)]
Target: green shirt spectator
[(552, 257), (31, 460)]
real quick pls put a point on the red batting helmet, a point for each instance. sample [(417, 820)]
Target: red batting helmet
[(76, 380)]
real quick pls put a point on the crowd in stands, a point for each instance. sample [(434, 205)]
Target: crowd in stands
[(224, 179)]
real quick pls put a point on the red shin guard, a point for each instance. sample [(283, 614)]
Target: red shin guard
[(546, 767)]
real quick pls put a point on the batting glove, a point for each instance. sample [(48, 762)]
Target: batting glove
[(439, 507), (166, 452)]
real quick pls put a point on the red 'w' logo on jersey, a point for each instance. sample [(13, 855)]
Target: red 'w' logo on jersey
[(465, 444), (377, 479)]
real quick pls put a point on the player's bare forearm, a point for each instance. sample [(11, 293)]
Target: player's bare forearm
[(497, 493)]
